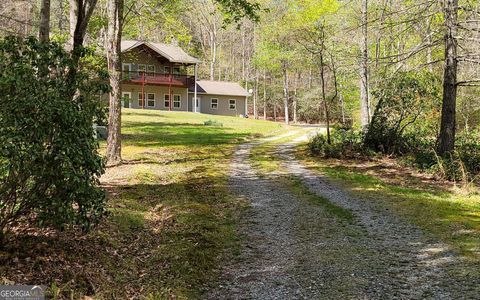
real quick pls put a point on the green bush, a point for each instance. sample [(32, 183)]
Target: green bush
[(468, 149), (462, 164), (213, 123), (406, 103), (49, 164), (344, 143)]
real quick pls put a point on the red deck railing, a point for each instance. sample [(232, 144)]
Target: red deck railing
[(157, 78)]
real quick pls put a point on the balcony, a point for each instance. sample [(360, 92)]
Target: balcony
[(150, 78)]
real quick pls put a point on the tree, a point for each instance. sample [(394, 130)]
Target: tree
[(44, 31), (447, 125), (114, 38), (364, 101), (80, 13)]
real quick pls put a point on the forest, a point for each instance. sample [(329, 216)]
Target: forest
[(348, 99)]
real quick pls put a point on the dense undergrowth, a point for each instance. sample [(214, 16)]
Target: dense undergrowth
[(419, 152), (405, 125)]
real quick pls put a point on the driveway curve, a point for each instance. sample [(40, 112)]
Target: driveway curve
[(294, 248)]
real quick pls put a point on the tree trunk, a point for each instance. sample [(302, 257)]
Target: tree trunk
[(80, 13), (429, 48), (447, 126), (115, 16), (342, 104), (60, 16), (264, 95), (275, 112), (44, 30), (364, 101), (324, 98), (73, 19), (285, 92), (213, 50), (255, 97), (294, 104)]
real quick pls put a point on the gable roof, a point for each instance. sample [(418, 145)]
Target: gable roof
[(173, 53), (219, 88)]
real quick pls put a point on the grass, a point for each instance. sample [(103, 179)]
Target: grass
[(302, 191), (171, 218), (450, 216)]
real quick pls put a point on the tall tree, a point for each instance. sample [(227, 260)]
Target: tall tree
[(285, 91), (364, 98), (447, 125), (80, 14), (44, 30), (114, 39)]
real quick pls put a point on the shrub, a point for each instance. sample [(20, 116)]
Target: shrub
[(462, 164), (468, 149), (344, 143), (317, 144), (213, 123), (49, 164), (403, 100)]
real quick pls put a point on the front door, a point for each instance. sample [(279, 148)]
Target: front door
[(197, 104), (126, 99)]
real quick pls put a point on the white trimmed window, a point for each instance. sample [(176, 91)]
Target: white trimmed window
[(151, 70), (166, 69), (214, 103), (140, 99), (166, 100), (150, 100), (176, 70), (232, 104), (141, 69), (177, 101)]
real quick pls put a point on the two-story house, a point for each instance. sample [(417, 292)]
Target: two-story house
[(161, 76)]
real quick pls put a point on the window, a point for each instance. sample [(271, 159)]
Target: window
[(126, 99), (166, 100), (166, 69), (140, 99), (214, 103), (141, 69), (176, 72), (151, 100), (126, 68), (151, 70), (232, 104), (177, 103)]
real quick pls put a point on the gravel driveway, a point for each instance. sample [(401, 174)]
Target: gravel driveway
[(294, 249)]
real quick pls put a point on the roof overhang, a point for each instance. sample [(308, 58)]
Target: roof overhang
[(130, 45)]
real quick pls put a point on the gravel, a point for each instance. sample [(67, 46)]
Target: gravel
[(294, 249)]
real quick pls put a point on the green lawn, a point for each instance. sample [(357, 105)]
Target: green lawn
[(171, 218), (172, 195)]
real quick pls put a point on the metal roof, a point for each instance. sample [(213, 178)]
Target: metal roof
[(173, 53), (219, 88)]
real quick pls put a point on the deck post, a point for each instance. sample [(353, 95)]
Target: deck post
[(143, 90), (170, 90), (195, 89)]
